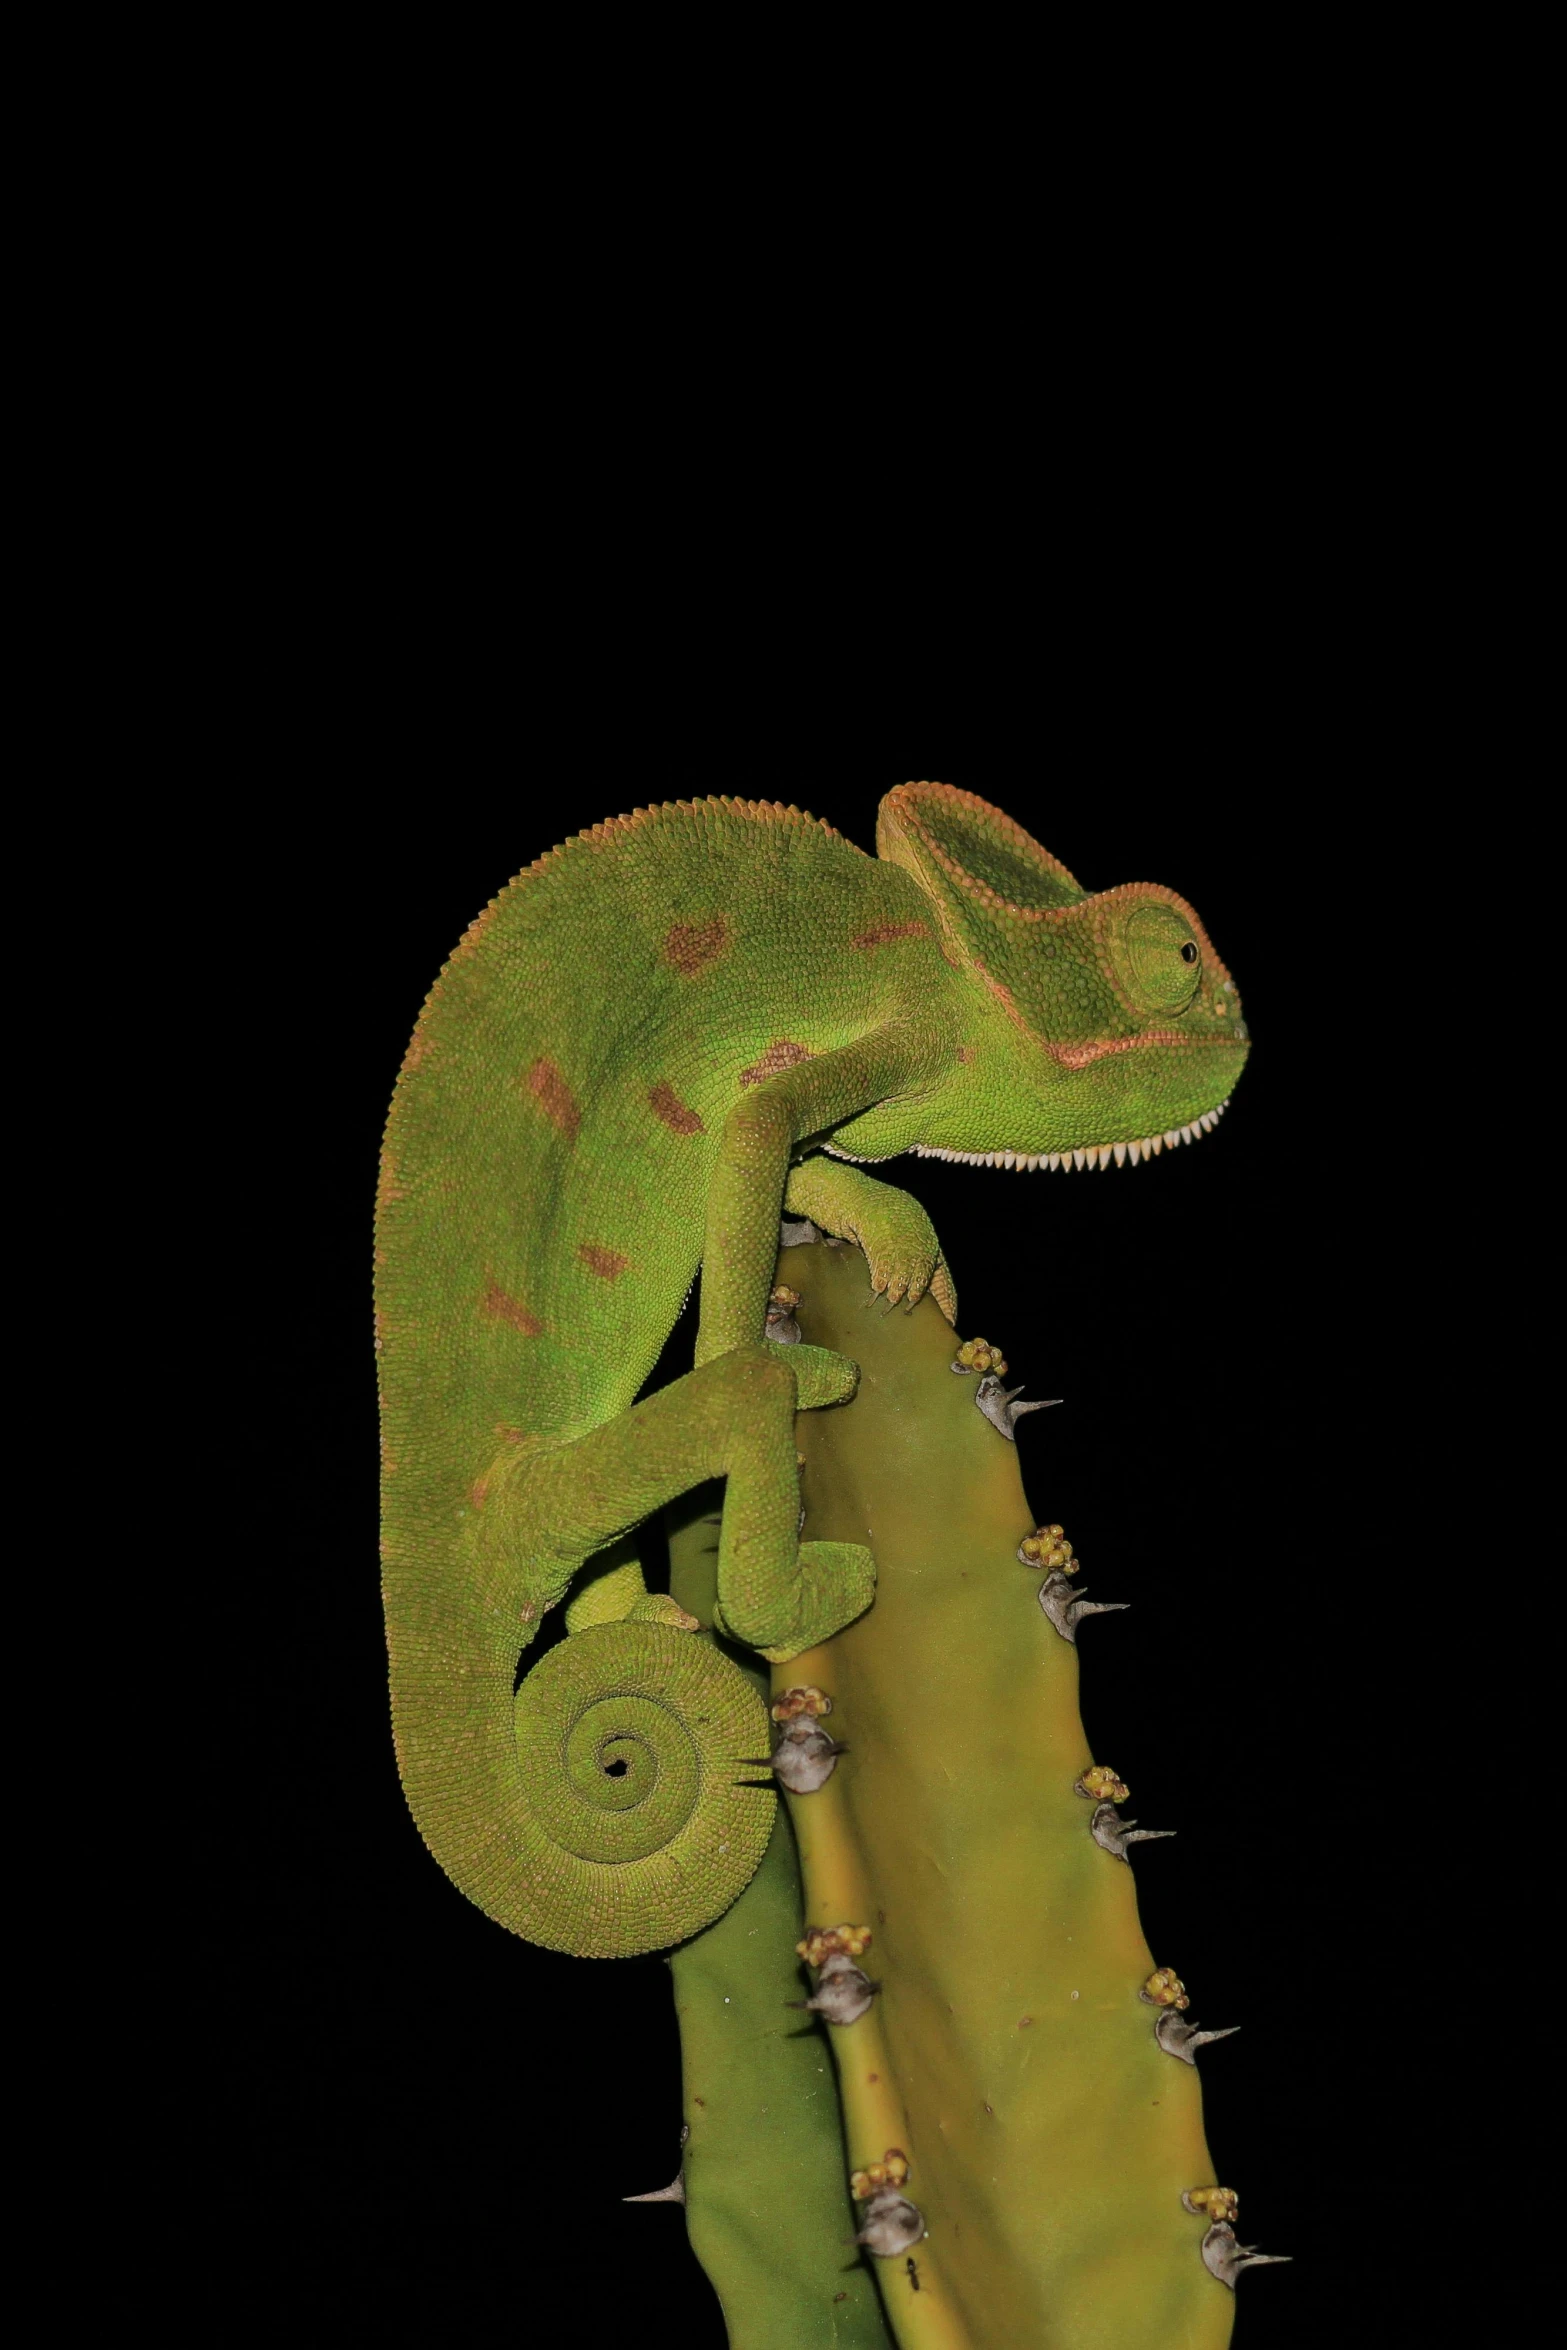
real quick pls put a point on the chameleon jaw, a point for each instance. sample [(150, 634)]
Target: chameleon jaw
[(1098, 1154)]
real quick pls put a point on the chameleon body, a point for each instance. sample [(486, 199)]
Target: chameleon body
[(655, 1042)]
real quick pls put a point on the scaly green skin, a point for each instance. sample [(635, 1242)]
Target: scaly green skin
[(607, 1089)]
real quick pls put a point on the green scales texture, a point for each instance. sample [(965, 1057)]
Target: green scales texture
[(630, 1066)]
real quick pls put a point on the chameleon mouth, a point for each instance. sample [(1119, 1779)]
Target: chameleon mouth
[(1095, 1154)]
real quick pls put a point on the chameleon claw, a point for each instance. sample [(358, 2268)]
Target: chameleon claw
[(1113, 1834), (675, 2192), (1223, 2258), (1179, 2037), (1001, 1408), (1066, 1609)]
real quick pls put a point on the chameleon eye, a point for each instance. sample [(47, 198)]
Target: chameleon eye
[(1156, 957)]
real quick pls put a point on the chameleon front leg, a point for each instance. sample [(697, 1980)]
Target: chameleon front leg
[(890, 1226), (746, 1194)]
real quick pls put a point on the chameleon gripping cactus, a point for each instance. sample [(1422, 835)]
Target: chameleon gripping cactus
[(657, 1041)]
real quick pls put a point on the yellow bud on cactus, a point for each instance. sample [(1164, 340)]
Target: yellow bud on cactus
[(1215, 2202), (1164, 1988)]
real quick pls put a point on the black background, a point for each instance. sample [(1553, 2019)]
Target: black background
[(412, 2120)]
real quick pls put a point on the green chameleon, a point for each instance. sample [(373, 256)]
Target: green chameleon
[(659, 1041)]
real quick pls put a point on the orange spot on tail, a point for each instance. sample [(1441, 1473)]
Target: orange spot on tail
[(689, 947), (887, 931), (677, 1116), (607, 1263), (780, 1055), (554, 1097), (502, 1308)]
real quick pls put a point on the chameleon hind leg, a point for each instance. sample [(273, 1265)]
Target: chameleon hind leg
[(732, 1418)]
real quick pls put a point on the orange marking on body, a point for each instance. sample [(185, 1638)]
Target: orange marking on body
[(418, 1046), (510, 1433), (690, 946), (388, 1465), (965, 1053), (1080, 1056), (554, 1097), (389, 1190), (502, 1308), (886, 932), (479, 1493), (677, 1116), (1004, 998), (607, 1263), (780, 1054)]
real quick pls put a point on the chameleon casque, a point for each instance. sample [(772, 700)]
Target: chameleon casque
[(661, 1044)]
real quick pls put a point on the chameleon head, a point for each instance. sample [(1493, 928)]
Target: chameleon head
[(1095, 1028)]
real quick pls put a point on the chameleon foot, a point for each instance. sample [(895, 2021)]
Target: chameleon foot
[(1066, 1611), (1113, 1834), (1178, 2037), (1223, 2258), (1001, 1408)]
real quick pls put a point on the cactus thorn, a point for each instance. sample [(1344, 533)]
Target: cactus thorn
[(1113, 1834), (1066, 1609), (1177, 2036), (675, 2192), (1001, 1407), (1223, 2258)]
